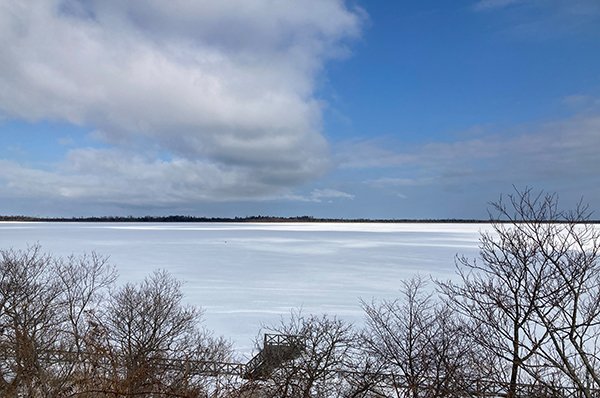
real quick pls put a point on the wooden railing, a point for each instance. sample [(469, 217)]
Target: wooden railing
[(278, 350)]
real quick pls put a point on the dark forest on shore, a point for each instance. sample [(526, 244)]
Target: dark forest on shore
[(259, 219)]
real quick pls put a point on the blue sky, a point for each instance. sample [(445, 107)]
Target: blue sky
[(330, 108)]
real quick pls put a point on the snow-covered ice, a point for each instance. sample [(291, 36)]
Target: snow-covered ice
[(247, 274)]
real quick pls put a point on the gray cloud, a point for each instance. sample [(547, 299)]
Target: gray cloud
[(113, 176), (559, 154), (226, 88)]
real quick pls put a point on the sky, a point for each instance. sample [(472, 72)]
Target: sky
[(327, 108)]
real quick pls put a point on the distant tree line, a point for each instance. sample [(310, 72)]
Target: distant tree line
[(248, 219), (522, 320)]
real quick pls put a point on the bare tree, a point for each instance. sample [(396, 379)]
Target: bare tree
[(31, 320), (494, 297), (566, 298), (533, 300), (63, 333), (85, 282), (415, 346), (154, 339), (42, 302)]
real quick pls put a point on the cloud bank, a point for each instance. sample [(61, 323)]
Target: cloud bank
[(544, 19), (560, 156), (202, 100)]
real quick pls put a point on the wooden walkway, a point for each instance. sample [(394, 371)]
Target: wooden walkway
[(278, 350)]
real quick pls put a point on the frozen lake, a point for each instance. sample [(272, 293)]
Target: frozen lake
[(244, 275)]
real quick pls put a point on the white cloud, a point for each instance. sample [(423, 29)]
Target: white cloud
[(359, 154), (482, 5), (388, 182), (225, 87), (545, 19), (581, 102), (318, 195)]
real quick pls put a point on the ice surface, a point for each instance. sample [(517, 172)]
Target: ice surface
[(245, 275)]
